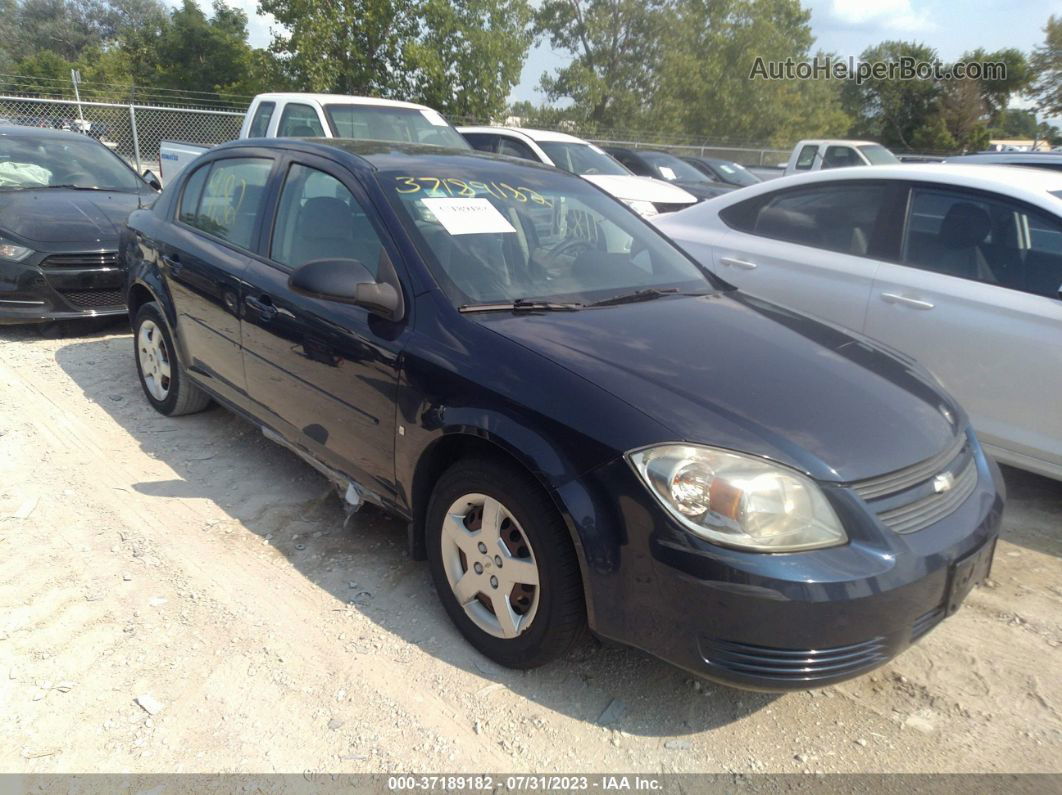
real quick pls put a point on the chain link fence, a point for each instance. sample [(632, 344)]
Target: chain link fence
[(130, 130)]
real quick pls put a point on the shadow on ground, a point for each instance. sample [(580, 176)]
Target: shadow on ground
[(215, 455), (1033, 518)]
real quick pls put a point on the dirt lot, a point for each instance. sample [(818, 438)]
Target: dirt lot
[(194, 566)]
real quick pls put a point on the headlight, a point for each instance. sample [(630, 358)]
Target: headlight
[(643, 208), (738, 500), (13, 251)]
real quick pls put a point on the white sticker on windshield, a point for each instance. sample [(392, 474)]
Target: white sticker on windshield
[(434, 117), (667, 172), (468, 216)]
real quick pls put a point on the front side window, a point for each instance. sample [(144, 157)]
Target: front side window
[(987, 239), (299, 121), (840, 157), (838, 217), (502, 232), (260, 122), (582, 159), (390, 123), (514, 148), (27, 163), (231, 199), (319, 218), (481, 142), (807, 157)]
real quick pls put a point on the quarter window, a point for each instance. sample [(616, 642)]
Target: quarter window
[(987, 239), (260, 122), (193, 191), (231, 199), (319, 218), (807, 157), (481, 142), (299, 121)]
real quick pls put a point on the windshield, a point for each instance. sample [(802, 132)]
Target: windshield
[(672, 168), (582, 159), (498, 232), (735, 173), (28, 162), (878, 155), (388, 123)]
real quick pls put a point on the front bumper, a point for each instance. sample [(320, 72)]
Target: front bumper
[(777, 621), (61, 286)]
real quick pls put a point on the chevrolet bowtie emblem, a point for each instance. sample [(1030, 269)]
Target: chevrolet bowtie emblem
[(943, 482)]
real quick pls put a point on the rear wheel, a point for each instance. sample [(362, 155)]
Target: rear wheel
[(165, 385), (503, 564)]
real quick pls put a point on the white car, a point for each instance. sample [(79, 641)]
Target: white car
[(957, 266), (645, 195), (816, 155)]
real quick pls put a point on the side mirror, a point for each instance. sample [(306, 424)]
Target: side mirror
[(347, 281), (152, 180)]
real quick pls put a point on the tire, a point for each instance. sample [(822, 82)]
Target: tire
[(545, 619), (165, 385)]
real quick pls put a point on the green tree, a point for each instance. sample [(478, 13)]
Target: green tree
[(469, 54), (933, 136), (1046, 64), (616, 48), (63, 27), (996, 94), (345, 46), (891, 110)]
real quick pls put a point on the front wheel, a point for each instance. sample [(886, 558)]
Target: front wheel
[(165, 385), (503, 564)]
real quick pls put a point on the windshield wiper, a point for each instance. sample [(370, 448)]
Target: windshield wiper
[(68, 187), (522, 305), (647, 294)]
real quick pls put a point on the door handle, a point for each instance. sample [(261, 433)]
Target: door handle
[(264, 307), (914, 303), (738, 263), (173, 263)]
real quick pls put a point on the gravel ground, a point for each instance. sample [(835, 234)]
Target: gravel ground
[(181, 595)]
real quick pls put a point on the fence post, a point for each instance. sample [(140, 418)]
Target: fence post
[(136, 138)]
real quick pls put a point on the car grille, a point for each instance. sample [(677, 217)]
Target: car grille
[(94, 299), (105, 259), (913, 498), (794, 664)]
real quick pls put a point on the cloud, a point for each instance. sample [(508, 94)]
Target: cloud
[(889, 14)]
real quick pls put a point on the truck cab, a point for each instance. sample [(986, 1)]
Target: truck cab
[(813, 155)]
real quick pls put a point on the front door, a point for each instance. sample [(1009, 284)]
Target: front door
[(977, 301), (323, 373)]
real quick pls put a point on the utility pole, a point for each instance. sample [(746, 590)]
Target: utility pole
[(75, 78)]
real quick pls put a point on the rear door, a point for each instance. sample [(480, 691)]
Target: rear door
[(204, 262), (323, 374), (975, 297), (814, 249)]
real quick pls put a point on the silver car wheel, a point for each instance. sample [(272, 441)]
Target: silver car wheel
[(154, 362), (490, 565)]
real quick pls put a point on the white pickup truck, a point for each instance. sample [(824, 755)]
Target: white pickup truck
[(294, 115), (812, 155)]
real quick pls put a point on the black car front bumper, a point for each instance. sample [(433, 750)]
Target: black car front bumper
[(66, 285)]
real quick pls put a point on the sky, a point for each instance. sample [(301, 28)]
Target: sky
[(844, 27)]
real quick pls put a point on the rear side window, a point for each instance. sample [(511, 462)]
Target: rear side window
[(807, 157), (839, 217), (232, 198), (260, 122), (319, 218), (299, 121), (193, 191)]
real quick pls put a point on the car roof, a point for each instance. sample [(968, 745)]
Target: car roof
[(528, 132), (336, 99), (1028, 183), (837, 142), (1008, 157), (380, 155), (19, 131)]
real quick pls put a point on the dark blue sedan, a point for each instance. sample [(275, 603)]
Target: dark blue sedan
[(581, 426)]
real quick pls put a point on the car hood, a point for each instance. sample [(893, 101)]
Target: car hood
[(55, 215), (646, 189), (737, 372), (705, 190)]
